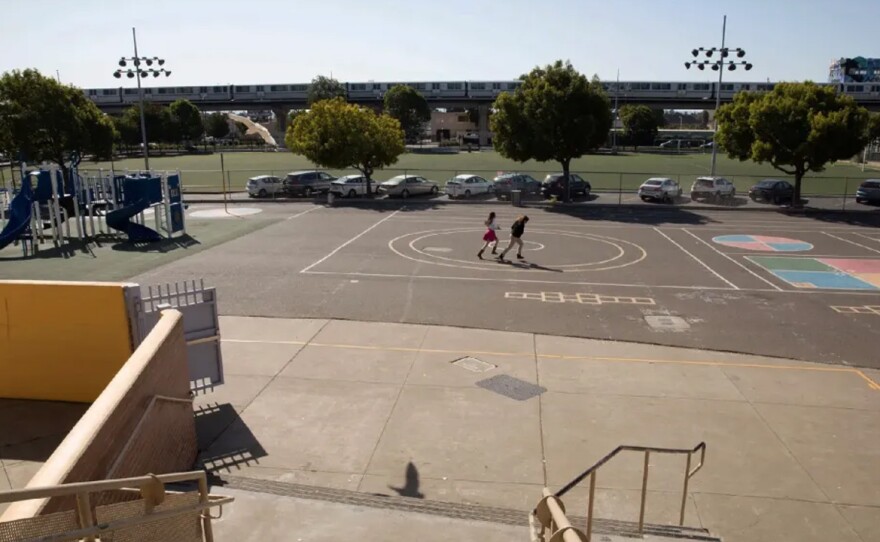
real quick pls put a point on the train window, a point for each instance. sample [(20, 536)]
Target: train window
[(377, 86), (299, 88), (727, 87), (478, 86), (131, 91), (418, 86), (358, 86), (661, 86), (260, 88), (640, 86), (93, 92), (682, 86), (454, 86), (513, 86), (218, 89), (764, 87), (109, 92), (855, 88), (496, 86), (875, 88), (148, 91), (435, 86), (242, 89), (278, 88), (745, 86), (161, 90), (203, 90), (702, 86)]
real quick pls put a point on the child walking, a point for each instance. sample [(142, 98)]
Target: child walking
[(516, 233), (489, 237)]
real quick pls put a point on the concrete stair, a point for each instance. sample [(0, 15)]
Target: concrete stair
[(265, 509)]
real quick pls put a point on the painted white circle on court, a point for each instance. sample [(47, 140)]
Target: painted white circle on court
[(627, 253), (222, 213)]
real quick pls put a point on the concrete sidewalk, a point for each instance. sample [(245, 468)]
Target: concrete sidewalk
[(793, 447)]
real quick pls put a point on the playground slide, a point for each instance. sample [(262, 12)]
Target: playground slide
[(119, 220), (20, 211)]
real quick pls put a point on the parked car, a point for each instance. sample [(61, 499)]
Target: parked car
[(715, 188), (307, 183), (869, 191), (772, 190), (408, 185), (554, 185), (660, 189), (263, 186), (349, 186), (507, 182), (467, 185)]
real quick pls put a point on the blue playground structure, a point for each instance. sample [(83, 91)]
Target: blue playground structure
[(96, 204)]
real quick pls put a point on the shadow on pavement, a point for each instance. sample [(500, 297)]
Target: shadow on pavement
[(225, 441), (411, 485), (650, 215), (165, 245)]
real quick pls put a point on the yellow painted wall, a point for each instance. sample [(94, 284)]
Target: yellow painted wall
[(61, 341)]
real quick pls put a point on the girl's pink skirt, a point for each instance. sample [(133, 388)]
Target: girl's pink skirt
[(490, 236)]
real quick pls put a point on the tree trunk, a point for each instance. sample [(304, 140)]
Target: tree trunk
[(796, 197), (566, 185)]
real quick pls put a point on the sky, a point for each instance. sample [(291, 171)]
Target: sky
[(267, 41)]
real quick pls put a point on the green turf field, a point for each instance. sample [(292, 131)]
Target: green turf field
[(605, 172)]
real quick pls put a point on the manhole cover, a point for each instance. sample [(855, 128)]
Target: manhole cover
[(511, 387), (667, 323), (473, 364)]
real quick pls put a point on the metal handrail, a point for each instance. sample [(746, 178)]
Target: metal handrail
[(647, 450)]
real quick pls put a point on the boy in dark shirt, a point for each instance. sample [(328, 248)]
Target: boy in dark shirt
[(516, 232)]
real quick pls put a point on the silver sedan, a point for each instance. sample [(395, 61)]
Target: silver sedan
[(408, 185)]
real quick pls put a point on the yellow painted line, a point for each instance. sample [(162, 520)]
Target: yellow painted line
[(706, 363)]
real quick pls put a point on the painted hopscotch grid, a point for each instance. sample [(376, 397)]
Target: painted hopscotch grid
[(823, 273), (583, 299), (864, 309)]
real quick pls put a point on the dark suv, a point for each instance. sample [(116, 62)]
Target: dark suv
[(508, 182), (307, 183), (554, 185)]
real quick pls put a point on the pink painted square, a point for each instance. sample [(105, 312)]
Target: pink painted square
[(853, 266)]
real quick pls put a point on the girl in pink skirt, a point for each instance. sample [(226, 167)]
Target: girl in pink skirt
[(489, 237)]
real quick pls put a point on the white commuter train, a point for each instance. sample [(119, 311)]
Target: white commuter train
[(625, 90)]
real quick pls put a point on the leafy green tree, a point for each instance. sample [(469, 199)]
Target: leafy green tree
[(555, 115), (43, 120), (188, 119), (874, 127), (660, 115), (639, 124), (128, 129), (796, 128), (325, 88), (217, 125), (338, 135), (409, 107), (161, 125)]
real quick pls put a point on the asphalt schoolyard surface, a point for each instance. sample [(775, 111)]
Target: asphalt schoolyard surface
[(804, 287)]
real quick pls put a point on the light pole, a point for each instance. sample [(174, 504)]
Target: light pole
[(139, 72), (718, 65)]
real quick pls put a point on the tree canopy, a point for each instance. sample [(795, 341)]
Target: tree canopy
[(217, 125), (874, 127), (41, 119), (339, 135), (410, 108), (639, 124), (325, 88), (188, 119), (556, 114), (796, 128)]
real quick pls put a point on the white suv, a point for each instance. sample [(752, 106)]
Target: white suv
[(264, 186), (714, 188), (659, 189)]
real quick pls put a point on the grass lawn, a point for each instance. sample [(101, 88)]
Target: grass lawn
[(627, 171), (113, 259)]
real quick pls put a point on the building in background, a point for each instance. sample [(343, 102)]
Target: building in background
[(855, 70)]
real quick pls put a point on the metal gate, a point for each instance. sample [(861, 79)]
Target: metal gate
[(201, 326)]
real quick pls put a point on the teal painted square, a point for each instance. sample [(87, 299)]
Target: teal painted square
[(825, 280)]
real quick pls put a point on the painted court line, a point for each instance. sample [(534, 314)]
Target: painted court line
[(291, 217), (706, 363), (775, 287), (350, 241), (699, 261), (876, 240), (851, 242), (611, 284)]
